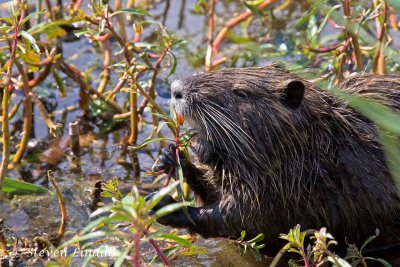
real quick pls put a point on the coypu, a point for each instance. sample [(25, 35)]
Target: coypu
[(280, 152)]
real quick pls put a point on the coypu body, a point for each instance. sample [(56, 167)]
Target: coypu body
[(280, 151)]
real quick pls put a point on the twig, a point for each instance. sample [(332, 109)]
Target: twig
[(3, 247), (133, 112), (117, 88), (77, 5), (61, 203), (27, 115), (392, 19), (154, 104), (75, 74), (143, 104), (6, 95), (233, 22), (352, 35), (105, 75), (209, 55), (136, 240), (162, 256), (44, 114), (322, 49), (335, 25), (120, 20), (378, 65), (278, 257), (74, 135)]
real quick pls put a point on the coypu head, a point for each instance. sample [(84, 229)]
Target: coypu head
[(234, 110)]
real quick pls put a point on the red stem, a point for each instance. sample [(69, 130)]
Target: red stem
[(136, 250), (77, 5), (335, 25), (236, 20)]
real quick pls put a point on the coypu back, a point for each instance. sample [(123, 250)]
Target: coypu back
[(282, 151)]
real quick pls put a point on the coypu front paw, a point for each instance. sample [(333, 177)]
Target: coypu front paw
[(167, 160), (174, 219)]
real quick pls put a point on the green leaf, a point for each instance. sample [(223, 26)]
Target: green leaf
[(257, 255), (31, 40), (338, 261), (149, 141), (30, 16), (146, 45), (174, 64), (102, 25), (132, 11), (122, 257), (322, 26), (242, 235), (7, 20), (182, 241), (165, 117), (253, 6), (22, 188), (370, 239), (395, 4), (169, 209), (253, 3), (305, 18), (257, 239), (30, 57), (59, 83), (382, 115), (382, 261), (81, 32), (88, 236), (392, 152), (43, 27), (54, 32), (160, 194), (11, 10)]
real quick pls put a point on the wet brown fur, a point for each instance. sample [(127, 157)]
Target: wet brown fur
[(272, 166)]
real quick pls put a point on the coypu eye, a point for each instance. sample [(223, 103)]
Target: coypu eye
[(178, 95), (240, 92), (293, 93)]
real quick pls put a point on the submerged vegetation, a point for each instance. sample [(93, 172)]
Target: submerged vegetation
[(57, 100)]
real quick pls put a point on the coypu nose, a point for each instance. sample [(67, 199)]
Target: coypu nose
[(176, 89)]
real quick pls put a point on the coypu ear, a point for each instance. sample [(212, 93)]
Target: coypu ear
[(292, 94)]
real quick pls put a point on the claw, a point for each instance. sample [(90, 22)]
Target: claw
[(166, 159), (149, 196)]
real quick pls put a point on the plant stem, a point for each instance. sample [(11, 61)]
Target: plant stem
[(105, 75), (233, 22), (27, 115), (6, 94), (162, 256), (352, 35), (154, 104), (133, 112), (134, 127), (136, 240), (378, 64), (278, 257), (209, 56), (4, 107), (61, 203)]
